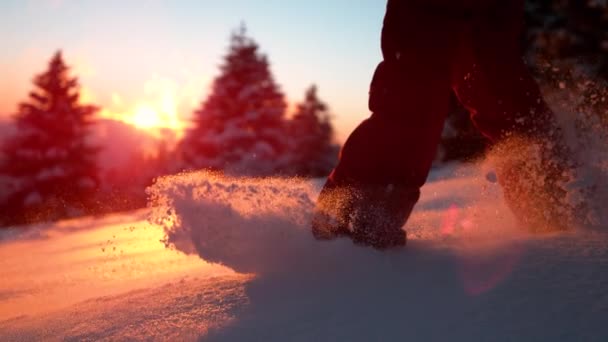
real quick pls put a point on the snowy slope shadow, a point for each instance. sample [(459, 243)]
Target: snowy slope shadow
[(467, 273)]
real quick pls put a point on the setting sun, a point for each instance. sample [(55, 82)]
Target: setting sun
[(162, 105), (146, 117)]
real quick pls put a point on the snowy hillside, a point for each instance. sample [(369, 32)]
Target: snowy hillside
[(468, 272)]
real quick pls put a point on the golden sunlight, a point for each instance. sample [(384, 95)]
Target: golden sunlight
[(146, 117), (158, 107), (108, 258)]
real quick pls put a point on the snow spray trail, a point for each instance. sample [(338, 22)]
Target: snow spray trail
[(263, 225), (249, 225), (467, 268), (581, 111)]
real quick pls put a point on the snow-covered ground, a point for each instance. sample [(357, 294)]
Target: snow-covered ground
[(468, 272)]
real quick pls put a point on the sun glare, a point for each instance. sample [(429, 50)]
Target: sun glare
[(158, 107), (146, 117)]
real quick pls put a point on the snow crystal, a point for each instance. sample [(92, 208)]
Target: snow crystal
[(252, 115), (52, 172), (55, 153), (8, 186), (28, 153), (86, 182), (32, 198)]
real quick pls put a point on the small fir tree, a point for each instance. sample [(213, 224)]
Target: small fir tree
[(568, 33), (48, 160), (313, 152), (240, 126)]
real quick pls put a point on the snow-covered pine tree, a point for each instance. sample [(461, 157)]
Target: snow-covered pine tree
[(313, 152), (48, 160), (240, 127)]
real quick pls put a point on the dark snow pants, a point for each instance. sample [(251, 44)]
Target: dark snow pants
[(428, 53)]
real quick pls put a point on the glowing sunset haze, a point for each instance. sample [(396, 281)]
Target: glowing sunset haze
[(150, 63)]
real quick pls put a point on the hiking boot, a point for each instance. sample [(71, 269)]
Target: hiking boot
[(372, 215)]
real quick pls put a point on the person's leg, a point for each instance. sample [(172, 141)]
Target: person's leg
[(506, 105), (385, 161)]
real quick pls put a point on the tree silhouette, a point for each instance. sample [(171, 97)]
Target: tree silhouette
[(50, 165), (240, 126), (568, 32), (313, 152)]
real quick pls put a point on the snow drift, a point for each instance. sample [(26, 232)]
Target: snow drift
[(468, 271)]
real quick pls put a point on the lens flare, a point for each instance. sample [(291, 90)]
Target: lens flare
[(484, 261), (162, 106), (450, 221)]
